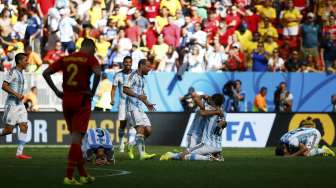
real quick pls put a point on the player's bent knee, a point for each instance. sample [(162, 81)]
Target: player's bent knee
[(23, 127)]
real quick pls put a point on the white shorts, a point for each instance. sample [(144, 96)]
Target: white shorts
[(203, 149), (291, 31), (122, 112), (137, 118), (15, 114)]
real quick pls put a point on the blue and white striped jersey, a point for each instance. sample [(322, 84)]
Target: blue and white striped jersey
[(15, 80), (137, 84), (212, 134), (119, 80), (298, 136), (199, 122), (96, 138)]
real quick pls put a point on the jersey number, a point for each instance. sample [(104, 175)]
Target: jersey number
[(73, 70)]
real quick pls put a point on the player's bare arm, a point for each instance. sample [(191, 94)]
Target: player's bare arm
[(212, 112), (302, 151), (47, 76), (8, 89), (198, 100), (96, 78), (113, 94)]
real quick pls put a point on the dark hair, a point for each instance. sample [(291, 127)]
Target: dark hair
[(88, 43), (218, 99), (19, 57), (263, 88), (32, 88), (142, 62), (279, 150), (126, 58), (239, 81), (104, 76)]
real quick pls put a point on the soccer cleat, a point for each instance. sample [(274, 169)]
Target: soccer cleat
[(122, 148), (328, 151), (86, 180), (166, 156), (130, 151), (147, 156), (73, 181), (23, 157)]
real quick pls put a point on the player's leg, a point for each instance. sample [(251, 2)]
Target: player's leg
[(201, 152), (8, 129), (22, 139), (122, 126), (8, 120), (131, 134), (197, 157), (140, 140)]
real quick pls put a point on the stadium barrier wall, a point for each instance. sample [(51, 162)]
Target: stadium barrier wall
[(255, 130), (164, 89)]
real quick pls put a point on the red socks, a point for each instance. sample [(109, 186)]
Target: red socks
[(75, 159)]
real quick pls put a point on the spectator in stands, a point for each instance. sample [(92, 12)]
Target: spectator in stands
[(151, 10), (140, 21), (310, 65), (332, 69), (202, 7), (133, 32), (276, 63), (20, 27), (328, 9), (235, 60), (329, 26), (159, 51), (237, 98), (199, 36), (244, 36), (309, 33), (150, 36), (103, 94), (171, 5), (294, 62), (34, 60), (328, 50), (215, 57), (252, 19), (33, 32), (67, 35), (267, 29), (283, 99), (260, 104), (333, 102), (211, 25), (169, 62), (162, 19), (5, 26), (260, 59), (180, 20), (137, 54), (95, 13), (290, 18), (30, 100), (266, 10), (110, 31), (55, 54), (195, 60), (102, 47), (270, 45), (171, 33)]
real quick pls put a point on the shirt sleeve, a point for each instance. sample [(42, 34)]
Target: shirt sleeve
[(9, 77), (129, 81), (116, 79)]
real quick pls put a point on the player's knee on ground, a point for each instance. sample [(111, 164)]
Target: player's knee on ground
[(141, 130), (148, 131)]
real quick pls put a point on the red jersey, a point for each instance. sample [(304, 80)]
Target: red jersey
[(77, 69)]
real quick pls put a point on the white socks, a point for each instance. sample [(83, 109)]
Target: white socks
[(22, 137), (140, 143)]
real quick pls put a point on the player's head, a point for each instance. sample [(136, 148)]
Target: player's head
[(144, 66), (127, 63), (21, 60), (88, 46), (217, 99), (280, 150), (100, 157)]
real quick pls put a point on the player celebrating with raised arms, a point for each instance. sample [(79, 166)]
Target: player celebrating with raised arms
[(77, 69), (302, 142), (134, 89), (15, 111), (119, 80), (211, 145)]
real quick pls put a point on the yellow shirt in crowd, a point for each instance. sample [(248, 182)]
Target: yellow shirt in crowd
[(244, 39), (159, 51), (270, 31), (270, 47), (268, 12), (172, 5), (292, 14), (102, 48)]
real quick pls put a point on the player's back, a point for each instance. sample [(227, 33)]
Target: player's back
[(137, 84), (15, 81), (300, 135), (98, 137), (119, 80), (212, 134)]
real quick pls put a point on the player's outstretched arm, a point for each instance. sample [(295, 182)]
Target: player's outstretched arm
[(47, 76), (198, 100), (211, 112), (8, 89)]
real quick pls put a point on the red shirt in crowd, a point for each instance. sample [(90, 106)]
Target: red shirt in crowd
[(45, 5), (151, 11), (133, 33), (171, 35), (300, 3), (53, 55), (330, 29), (211, 27), (252, 22), (151, 37), (234, 65)]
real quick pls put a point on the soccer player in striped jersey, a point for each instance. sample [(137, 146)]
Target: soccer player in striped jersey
[(15, 112), (302, 142), (97, 146), (211, 145), (136, 117), (119, 80)]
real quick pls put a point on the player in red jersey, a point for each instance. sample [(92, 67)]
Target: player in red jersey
[(77, 69)]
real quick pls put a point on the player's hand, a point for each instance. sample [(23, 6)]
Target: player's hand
[(112, 103), (220, 113), (59, 94), (142, 97), (151, 107)]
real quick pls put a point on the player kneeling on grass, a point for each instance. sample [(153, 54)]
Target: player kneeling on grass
[(97, 146), (211, 145), (302, 142)]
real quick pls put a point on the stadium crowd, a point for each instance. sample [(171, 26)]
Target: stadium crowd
[(195, 35)]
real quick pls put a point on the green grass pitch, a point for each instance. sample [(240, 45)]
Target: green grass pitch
[(241, 168)]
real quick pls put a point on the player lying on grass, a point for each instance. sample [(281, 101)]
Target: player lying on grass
[(211, 144), (195, 132), (97, 146), (302, 142)]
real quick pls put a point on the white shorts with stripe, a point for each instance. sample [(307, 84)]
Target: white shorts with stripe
[(122, 111), (15, 114), (137, 118)]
